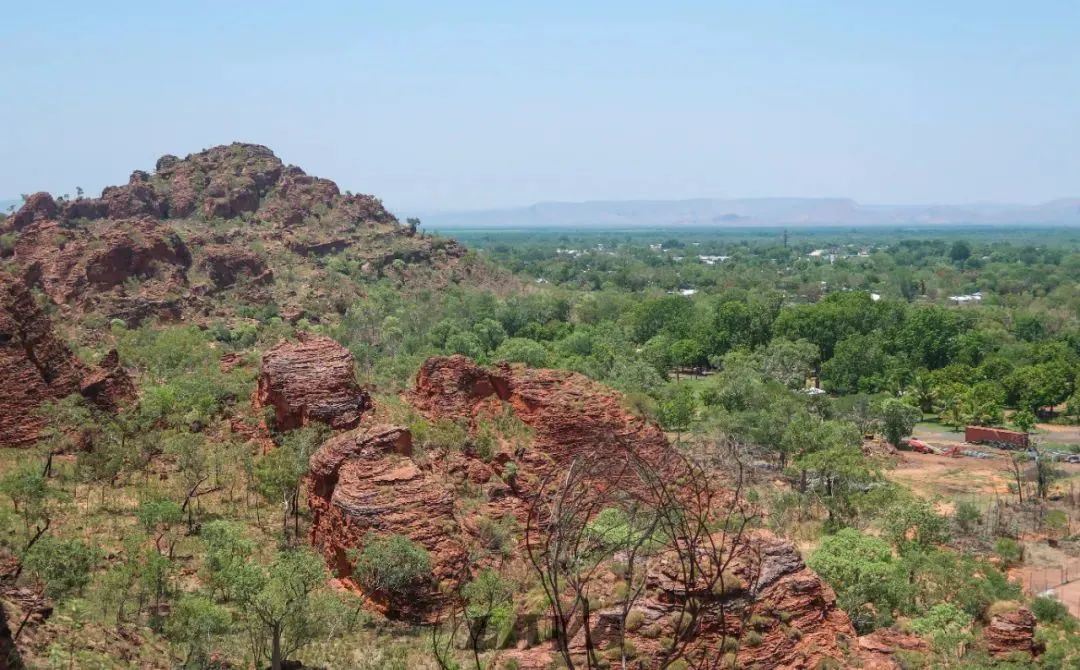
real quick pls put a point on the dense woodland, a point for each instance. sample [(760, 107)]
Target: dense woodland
[(173, 543)]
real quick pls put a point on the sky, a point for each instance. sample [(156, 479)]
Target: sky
[(471, 105)]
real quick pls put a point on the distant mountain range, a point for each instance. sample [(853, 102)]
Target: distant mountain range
[(749, 212)]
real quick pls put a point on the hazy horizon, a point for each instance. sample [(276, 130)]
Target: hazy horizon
[(487, 106)]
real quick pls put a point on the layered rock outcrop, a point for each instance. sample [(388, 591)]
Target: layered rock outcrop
[(228, 264), (1011, 632), (310, 380), (37, 367), (125, 266), (366, 481), (570, 414)]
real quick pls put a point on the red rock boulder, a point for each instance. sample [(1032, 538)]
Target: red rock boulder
[(311, 380), (365, 481), (1011, 632)]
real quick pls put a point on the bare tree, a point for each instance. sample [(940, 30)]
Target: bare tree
[(670, 505)]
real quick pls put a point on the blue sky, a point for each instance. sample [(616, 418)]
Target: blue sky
[(438, 105)]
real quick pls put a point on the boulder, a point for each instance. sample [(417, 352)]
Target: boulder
[(365, 481), (311, 380), (1011, 632)]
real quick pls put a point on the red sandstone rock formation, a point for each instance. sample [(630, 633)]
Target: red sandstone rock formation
[(570, 414), (878, 649), (228, 264), (92, 267), (365, 481), (37, 367), (311, 380), (83, 252), (1011, 632)]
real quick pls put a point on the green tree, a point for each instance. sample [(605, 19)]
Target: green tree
[(194, 625), (489, 607), (676, 409), (898, 419), (522, 350), (789, 362), (229, 569), (860, 364), (1024, 420), (862, 570), (960, 251), (290, 607), (948, 627), (63, 566)]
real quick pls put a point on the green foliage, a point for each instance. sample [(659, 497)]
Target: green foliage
[(1024, 420), (947, 627), (289, 606), (1049, 610), (489, 604), (898, 419), (676, 410), (522, 350), (29, 492), (914, 521), (64, 566), (864, 574), (391, 564), (229, 570), (1009, 551), (194, 625)]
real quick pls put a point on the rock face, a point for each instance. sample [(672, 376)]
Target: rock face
[(879, 648), (126, 255), (570, 414), (311, 380), (76, 265), (366, 481), (37, 367), (1011, 632), (227, 264), (9, 654)]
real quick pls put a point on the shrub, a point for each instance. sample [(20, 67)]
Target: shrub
[(752, 638), (392, 564), (496, 536), (1049, 610), (63, 565), (634, 620), (967, 516), (446, 435), (1009, 551)]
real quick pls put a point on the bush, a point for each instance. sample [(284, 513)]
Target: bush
[(392, 564), (1009, 551), (63, 565), (446, 435), (967, 516), (1049, 610)]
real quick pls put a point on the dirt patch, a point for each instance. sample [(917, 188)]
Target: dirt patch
[(932, 476)]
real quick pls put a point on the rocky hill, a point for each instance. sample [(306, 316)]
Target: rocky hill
[(209, 239), (226, 226)]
